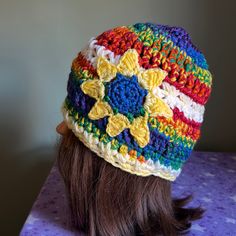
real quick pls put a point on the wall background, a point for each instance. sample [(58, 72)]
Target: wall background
[(39, 39)]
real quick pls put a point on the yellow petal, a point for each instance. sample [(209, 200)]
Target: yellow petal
[(105, 69), (128, 64), (139, 129), (157, 107), (100, 110), (116, 124), (94, 88), (151, 78)]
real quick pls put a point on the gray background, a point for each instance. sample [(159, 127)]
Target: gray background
[(39, 39)]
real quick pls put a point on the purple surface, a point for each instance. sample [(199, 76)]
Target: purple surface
[(209, 176)]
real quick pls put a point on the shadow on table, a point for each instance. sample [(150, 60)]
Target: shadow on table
[(22, 176), (52, 207)]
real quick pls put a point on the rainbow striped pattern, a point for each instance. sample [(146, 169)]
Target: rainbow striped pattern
[(185, 89)]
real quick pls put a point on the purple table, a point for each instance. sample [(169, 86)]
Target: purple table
[(211, 177)]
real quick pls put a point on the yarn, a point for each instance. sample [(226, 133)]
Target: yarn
[(136, 97), (126, 95)]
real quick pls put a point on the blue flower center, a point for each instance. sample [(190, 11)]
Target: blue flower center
[(125, 95)]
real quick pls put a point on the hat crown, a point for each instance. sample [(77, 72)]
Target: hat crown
[(136, 97)]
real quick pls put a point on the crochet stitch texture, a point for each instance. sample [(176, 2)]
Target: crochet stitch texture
[(136, 97)]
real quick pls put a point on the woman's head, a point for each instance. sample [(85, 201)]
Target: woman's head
[(132, 116)]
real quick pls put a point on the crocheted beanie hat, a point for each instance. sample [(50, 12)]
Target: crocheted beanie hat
[(136, 97)]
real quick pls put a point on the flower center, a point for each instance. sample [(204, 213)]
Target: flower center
[(125, 95)]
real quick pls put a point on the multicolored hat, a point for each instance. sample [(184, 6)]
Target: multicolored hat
[(136, 97)]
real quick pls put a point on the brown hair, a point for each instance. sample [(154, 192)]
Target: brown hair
[(105, 200)]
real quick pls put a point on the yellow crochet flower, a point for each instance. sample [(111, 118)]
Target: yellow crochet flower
[(149, 79)]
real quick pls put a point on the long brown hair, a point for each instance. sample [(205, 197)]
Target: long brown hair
[(106, 201)]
